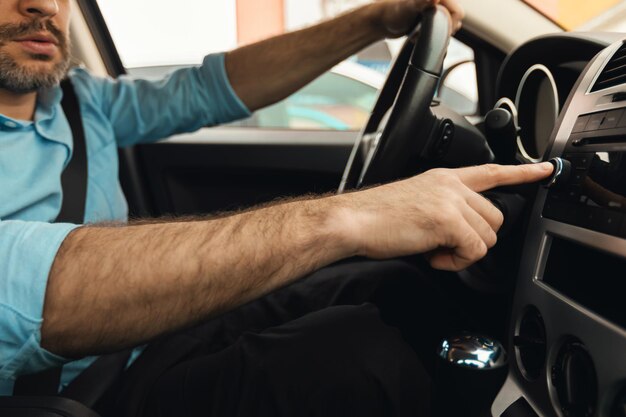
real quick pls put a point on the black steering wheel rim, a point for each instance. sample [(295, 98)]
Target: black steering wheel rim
[(382, 153)]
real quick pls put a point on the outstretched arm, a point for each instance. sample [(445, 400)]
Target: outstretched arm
[(268, 71), (114, 287)]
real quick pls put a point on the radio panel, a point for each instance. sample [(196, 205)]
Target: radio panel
[(595, 195)]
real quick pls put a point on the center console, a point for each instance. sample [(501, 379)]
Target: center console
[(568, 330)]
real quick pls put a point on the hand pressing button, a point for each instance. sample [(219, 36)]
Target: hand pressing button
[(561, 174)]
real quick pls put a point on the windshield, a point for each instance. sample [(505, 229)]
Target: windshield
[(606, 15)]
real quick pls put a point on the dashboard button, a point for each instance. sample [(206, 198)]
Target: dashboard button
[(446, 135), (580, 124), (595, 121), (562, 212), (561, 174), (557, 196), (570, 195), (589, 217), (580, 161), (573, 195), (611, 119), (601, 220), (610, 222), (577, 177)]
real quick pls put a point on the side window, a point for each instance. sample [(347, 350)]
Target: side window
[(341, 99), (459, 86)]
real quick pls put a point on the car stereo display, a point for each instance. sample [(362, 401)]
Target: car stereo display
[(595, 196)]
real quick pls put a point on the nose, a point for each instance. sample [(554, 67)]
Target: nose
[(38, 9)]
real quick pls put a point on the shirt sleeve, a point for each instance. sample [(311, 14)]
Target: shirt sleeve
[(27, 250), (143, 111)]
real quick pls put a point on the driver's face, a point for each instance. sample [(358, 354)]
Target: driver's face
[(34, 43)]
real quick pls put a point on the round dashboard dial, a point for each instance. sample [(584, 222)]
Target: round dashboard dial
[(537, 103)]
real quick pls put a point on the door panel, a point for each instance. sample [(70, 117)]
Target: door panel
[(225, 169)]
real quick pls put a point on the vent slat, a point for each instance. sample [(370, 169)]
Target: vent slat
[(614, 73), (610, 71), (616, 63), (610, 82)]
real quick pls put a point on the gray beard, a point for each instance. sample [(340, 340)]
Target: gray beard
[(20, 80)]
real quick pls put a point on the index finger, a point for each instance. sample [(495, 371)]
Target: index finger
[(485, 177)]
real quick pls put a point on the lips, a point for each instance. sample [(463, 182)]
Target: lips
[(40, 44)]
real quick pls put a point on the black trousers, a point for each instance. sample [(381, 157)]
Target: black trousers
[(357, 338)]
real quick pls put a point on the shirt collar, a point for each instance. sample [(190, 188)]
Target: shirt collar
[(7, 123), (48, 122)]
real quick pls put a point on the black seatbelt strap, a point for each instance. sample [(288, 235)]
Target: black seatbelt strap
[(74, 177), (43, 383), (89, 386), (74, 186)]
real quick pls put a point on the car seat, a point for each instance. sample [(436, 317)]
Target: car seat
[(43, 407)]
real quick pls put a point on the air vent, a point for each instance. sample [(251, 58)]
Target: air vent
[(530, 344), (614, 73)]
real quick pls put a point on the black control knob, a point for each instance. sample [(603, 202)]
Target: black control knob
[(575, 381), (501, 134), (561, 175)]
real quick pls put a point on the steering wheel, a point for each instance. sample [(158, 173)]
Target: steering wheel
[(401, 126)]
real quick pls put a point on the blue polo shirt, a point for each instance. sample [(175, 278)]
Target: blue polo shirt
[(116, 113)]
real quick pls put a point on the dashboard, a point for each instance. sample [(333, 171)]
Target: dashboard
[(567, 333), (536, 80)]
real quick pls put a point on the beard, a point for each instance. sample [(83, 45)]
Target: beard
[(22, 79)]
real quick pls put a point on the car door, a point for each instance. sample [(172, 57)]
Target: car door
[(296, 147)]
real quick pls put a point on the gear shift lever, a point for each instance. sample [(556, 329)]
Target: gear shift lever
[(470, 372)]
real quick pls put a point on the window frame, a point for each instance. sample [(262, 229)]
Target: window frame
[(489, 60)]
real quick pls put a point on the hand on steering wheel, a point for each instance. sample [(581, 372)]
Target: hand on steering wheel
[(398, 17), (400, 127)]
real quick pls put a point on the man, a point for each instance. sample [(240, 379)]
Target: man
[(69, 292)]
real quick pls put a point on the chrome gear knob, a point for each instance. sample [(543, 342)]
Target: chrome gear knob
[(470, 372), (470, 351)]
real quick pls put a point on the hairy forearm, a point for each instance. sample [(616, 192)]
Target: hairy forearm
[(268, 71), (114, 287)]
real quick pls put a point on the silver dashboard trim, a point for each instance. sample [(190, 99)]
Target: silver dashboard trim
[(607, 243), (544, 249), (563, 317), (518, 96), (256, 136), (580, 308)]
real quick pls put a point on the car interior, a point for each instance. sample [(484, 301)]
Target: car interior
[(548, 297)]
